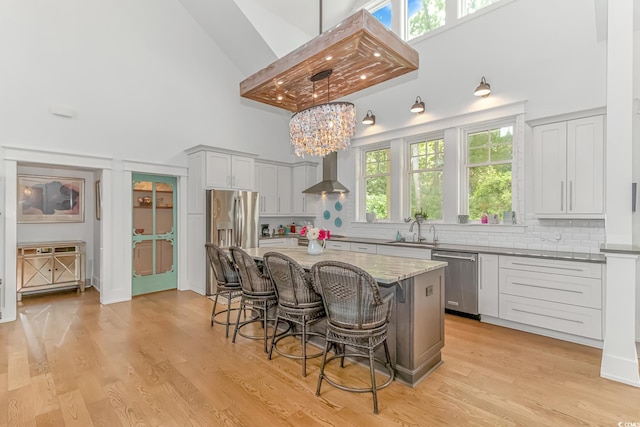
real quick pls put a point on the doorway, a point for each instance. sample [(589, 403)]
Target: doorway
[(154, 233)]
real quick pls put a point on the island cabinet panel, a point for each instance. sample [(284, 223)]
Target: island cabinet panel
[(419, 325)]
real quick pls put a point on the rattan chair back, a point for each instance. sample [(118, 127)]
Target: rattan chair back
[(351, 295), (224, 271), (252, 280), (293, 284)]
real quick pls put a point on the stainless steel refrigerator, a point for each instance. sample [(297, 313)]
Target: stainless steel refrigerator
[(232, 220)]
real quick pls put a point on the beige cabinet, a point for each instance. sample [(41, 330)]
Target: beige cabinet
[(488, 285), (50, 265), (568, 168)]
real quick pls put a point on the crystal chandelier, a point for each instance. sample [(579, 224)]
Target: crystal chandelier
[(325, 128)]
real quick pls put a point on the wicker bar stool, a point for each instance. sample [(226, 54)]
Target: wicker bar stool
[(258, 294), (298, 303), (227, 281), (357, 317)]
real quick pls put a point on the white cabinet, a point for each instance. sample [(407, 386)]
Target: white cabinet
[(223, 170), (338, 246), (488, 284), (273, 182), (278, 243), (304, 176), (568, 168), (564, 296), (404, 251), (364, 247)]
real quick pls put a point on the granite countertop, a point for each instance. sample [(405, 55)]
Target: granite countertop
[(536, 253), (385, 269), (620, 249)]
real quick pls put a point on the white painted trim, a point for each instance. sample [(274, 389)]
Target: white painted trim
[(439, 124), (9, 311), (77, 161), (197, 148), (567, 116), (155, 168)]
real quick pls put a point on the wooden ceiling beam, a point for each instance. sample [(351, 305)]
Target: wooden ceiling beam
[(358, 46)]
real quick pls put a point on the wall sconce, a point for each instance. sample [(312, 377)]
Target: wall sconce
[(418, 106), (483, 89), (369, 119)]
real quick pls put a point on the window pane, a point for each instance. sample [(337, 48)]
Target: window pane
[(489, 190), (471, 6), (478, 139), (383, 14), (426, 193), (378, 195), (377, 182), (424, 16)]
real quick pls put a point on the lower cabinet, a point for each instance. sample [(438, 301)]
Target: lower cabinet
[(405, 252), (564, 296), (338, 246), (364, 247), (278, 243), (488, 285)]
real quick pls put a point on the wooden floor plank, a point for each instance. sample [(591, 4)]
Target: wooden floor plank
[(156, 361)]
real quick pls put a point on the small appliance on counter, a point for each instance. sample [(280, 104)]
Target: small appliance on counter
[(264, 230)]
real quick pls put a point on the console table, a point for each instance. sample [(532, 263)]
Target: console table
[(50, 265)]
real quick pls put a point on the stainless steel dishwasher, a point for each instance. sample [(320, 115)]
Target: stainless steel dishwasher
[(460, 282)]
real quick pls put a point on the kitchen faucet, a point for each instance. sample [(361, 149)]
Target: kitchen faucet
[(435, 236), (420, 238)]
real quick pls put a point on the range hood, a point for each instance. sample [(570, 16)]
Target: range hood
[(329, 183)]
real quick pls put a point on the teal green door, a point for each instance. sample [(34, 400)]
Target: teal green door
[(154, 234)]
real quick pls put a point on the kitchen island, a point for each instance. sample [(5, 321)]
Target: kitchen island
[(416, 330)]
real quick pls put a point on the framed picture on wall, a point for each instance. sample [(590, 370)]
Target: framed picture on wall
[(43, 199)]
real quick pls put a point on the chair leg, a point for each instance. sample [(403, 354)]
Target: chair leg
[(213, 312), (226, 332), (304, 347), (324, 360), (273, 338), (388, 356), (374, 390), (266, 334), (242, 308)]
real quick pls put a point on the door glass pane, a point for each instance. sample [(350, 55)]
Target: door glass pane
[(143, 258), (164, 256), (143, 208), (164, 208)]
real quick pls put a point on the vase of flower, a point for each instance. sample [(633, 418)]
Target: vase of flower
[(317, 239), (315, 247)]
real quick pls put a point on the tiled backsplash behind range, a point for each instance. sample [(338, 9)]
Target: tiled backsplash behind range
[(575, 235)]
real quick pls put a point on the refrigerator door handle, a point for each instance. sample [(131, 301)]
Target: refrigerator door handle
[(241, 223)]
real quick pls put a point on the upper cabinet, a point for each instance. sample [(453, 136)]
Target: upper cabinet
[(304, 176), (273, 183), (229, 171), (568, 168)]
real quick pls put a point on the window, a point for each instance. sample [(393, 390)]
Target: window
[(426, 162), (471, 6), (489, 171), (418, 17), (383, 14), (424, 16), (377, 182)]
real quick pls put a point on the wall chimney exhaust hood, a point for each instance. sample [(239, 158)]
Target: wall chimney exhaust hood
[(360, 51), (329, 183)]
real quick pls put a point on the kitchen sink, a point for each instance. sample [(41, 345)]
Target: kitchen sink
[(412, 244)]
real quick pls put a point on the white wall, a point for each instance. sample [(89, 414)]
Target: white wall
[(144, 79), (541, 52)]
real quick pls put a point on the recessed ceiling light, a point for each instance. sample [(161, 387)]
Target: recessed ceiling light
[(363, 77), (328, 57), (280, 82), (377, 54), (315, 95), (280, 97)]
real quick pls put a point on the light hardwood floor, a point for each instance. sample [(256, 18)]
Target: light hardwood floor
[(68, 361)]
